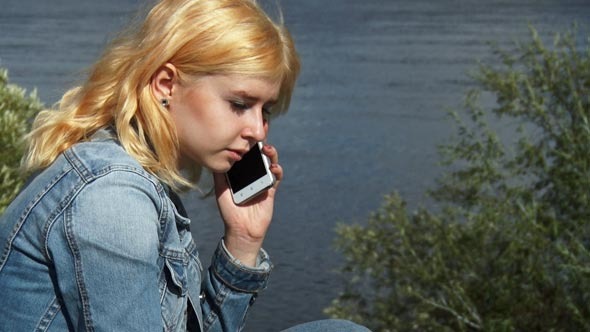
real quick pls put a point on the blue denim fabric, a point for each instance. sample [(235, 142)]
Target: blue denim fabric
[(328, 325), (95, 243)]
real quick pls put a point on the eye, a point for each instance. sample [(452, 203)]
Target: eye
[(238, 105)]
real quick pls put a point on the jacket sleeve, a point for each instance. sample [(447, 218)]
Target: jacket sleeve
[(230, 288), (107, 270)]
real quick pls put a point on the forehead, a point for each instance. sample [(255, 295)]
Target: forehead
[(245, 86)]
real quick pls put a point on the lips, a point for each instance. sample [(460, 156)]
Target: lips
[(236, 155)]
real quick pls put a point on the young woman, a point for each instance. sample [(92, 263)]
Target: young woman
[(98, 240)]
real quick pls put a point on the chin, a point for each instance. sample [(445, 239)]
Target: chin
[(219, 167)]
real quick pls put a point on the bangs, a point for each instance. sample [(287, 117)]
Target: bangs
[(236, 39)]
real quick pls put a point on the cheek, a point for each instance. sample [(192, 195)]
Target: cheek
[(182, 122), (225, 123)]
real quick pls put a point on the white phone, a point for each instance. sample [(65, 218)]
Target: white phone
[(250, 176)]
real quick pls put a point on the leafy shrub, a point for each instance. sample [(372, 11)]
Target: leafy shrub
[(16, 112), (508, 247)]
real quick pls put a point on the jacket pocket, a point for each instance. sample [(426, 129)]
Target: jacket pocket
[(173, 286), (176, 278)]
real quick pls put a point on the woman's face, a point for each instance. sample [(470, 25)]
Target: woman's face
[(219, 117)]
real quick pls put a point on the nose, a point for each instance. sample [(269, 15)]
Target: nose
[(257, 127)]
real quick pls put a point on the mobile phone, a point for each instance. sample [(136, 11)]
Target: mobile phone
[(250, 176)]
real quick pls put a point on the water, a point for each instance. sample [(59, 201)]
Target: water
[(368, 112)]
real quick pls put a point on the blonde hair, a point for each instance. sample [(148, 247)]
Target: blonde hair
[(199, 37)]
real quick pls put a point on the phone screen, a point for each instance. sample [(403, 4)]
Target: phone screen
[(249, 169)]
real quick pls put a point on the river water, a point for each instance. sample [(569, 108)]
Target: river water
[(368, 112)]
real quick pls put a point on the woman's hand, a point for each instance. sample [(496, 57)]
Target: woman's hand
[(246, 225)]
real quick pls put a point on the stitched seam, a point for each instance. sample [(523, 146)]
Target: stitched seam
[(219, 299), (49, 316), (25, 215), (78, 271), (75, 250)]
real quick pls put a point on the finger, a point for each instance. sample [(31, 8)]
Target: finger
[(271, 153), (277, 171)]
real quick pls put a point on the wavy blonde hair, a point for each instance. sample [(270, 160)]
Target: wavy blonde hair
[(199, 37)]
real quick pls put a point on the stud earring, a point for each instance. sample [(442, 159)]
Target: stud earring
[(165, 102)]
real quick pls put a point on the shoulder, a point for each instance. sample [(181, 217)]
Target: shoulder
[(118, 201), (96, 158), (105, 164), (84, 165)]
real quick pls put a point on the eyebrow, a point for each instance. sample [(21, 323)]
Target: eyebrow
[(251, 98)]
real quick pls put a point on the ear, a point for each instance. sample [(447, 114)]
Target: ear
[(163, 81)]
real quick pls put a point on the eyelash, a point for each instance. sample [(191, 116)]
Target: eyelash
[(241, 107)]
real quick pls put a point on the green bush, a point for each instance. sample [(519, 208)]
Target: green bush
[(507, 248), (16, 112)]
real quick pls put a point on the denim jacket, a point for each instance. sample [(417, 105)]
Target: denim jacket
[(96, 243)]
